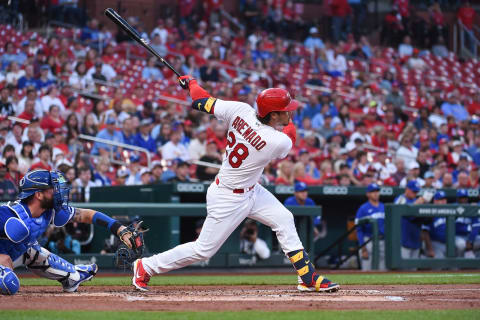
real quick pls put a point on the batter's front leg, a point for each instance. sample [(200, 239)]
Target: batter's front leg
[(269, 211)]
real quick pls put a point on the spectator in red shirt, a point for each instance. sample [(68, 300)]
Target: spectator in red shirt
[(12, 170), (44, 158), (285, 176), (402, 7), (474, 106), (341, 13), (466, 15), (437, 24), (300, 174), (52, 120), (28, 113)]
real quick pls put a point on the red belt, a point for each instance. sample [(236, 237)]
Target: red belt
[(237, 190)]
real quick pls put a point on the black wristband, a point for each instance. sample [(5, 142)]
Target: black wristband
[(114, 228)]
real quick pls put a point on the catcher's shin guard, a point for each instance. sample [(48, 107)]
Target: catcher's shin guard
[(48, 265), (309, 280), (9, 283)]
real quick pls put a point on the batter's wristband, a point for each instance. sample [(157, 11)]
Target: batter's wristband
[(115, 226)]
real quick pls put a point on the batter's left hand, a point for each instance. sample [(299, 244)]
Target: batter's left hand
[(184, 81)]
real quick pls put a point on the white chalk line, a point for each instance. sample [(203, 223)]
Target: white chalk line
[(267, 298)]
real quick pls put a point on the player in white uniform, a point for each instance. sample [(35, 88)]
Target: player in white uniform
[(235, 194)]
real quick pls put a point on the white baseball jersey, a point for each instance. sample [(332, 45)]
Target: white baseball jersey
[(251, 145)]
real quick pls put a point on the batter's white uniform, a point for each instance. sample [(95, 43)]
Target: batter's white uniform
[(236, 195)]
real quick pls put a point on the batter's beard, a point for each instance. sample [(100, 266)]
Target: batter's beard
[(46, 203)]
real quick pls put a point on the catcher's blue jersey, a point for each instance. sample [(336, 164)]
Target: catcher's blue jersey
[(35, 226)]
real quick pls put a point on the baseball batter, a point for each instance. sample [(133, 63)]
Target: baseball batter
[(235, 194)]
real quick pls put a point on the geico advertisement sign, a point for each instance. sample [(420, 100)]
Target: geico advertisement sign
[(190, 187)]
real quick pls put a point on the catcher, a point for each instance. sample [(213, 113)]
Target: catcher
[(43, 200)]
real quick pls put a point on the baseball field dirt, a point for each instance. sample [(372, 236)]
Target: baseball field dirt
[(251, 297)]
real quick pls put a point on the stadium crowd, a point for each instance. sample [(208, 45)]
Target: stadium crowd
[(387, 114)]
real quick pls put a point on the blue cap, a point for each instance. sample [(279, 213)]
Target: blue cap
[(413, 185), (134, 158), (439, 195), (373, 187), (302, 151), (300, 186), (110, 120), (429, 174), (462, 193)]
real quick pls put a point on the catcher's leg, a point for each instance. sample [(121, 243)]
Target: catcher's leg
[(269, 211), (48, 265), (9, 283)]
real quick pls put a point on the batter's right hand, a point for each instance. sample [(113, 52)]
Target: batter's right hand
[(184, 81)]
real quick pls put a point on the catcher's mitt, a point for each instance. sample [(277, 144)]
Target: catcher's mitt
[(125, 256)]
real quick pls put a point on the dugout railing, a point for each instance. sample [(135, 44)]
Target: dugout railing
[(425, 213), (339, 244)]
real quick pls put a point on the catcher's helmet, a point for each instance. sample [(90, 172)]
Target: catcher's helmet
[(275, 99), (39, 180), (34, 181)]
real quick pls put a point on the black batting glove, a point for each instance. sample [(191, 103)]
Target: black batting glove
[(184, 81)]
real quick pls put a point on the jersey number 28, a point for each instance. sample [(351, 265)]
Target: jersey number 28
[(238, 153)]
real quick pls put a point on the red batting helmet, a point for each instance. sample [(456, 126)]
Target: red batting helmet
[(275, 99)]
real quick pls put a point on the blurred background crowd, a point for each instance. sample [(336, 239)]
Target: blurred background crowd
[(388, 110)]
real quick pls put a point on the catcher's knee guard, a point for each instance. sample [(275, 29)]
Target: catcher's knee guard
[(48, 265), (9, 283)]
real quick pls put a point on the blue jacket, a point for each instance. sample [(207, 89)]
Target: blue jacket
[(368, 210), (292, 201), (410, 230), (438, 229), (148, 144)]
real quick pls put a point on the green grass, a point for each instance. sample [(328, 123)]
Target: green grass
[(303, 315), (343, 279)]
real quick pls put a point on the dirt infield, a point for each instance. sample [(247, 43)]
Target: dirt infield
[(268, 298)]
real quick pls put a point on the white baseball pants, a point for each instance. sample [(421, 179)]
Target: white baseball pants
[(225, 212)]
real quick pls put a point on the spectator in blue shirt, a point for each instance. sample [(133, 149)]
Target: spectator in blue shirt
[(128, 132), (44, 81), (144, 139), (10, 56), (312, 107), (453, 108), (313, 41), (100, 175), (372, 209), (109, 133), (90, 33), (28, 79), (151, 72)]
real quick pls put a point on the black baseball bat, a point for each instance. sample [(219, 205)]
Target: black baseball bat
[(125, 26)]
